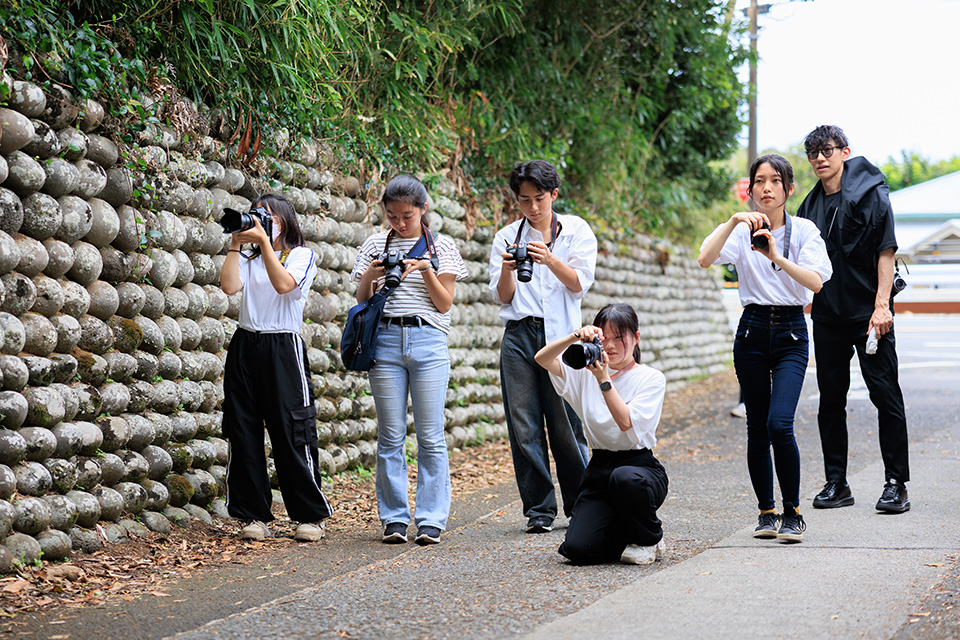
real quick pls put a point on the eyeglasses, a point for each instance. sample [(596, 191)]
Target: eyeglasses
[(826, 151)]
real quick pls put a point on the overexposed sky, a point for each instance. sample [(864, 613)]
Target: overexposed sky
[(886, 71)]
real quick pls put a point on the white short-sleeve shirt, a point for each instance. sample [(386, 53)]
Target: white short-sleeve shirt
[(261, 307), (759, 282), (545, 296), (642, 388)]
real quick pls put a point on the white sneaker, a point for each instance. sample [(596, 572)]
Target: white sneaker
[(255, 530), (635, 554), (310, 531), (739, 411)]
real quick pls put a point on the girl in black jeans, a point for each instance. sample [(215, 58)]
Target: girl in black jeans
[(770, 351)]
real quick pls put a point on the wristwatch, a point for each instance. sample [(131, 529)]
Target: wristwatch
[(605, 386)]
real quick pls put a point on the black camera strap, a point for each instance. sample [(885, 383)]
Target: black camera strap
[(786, 239), (555, 228), (427, 242)]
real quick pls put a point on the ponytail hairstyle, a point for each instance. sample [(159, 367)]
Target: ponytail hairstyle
[(623, 319), (407, 189)]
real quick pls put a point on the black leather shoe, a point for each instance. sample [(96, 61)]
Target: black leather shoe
[(894, 498), (833, 495)]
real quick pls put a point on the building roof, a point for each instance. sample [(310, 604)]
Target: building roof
[(937, 199)]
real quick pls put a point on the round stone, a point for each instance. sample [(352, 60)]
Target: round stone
[(88, 508), (159, 462), (180, 488), (85, 540), (134, 496), (156, 522), (87, 263), (32, 515), (88, 400), (39, 333), (55, 545), (17, 130), (106, 223), (21, 293), (63, 512), (73, 143), (76, 300), (49, 298), (76, 219), (45, 407), (131, 299), (116, 432), (62, 177), (24, 548), (63, 474), (111, 502), (88, 472), (27, 98), (121, 366)]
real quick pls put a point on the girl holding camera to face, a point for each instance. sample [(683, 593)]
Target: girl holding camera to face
[(411, 357), (619, 400), (266, 377), (770, 351)]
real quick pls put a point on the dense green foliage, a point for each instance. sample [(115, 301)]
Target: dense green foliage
[(632, 99), (913, 169)]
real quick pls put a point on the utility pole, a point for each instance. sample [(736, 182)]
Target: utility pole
[(752, 12)]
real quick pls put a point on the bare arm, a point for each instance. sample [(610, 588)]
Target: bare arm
[(230, 271), (882, 319), (711, 250)]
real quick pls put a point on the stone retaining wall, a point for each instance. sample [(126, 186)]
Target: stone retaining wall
[(113, 329)]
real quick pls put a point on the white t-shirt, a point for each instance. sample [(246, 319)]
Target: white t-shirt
[(261, 307), (759, 282), (412, 298), (642, 388), (545, 296)]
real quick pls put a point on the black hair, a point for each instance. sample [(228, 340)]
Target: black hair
[(407, 189), (623, 319), (290, 234), (780, 164), (540, 172), (823, 135)]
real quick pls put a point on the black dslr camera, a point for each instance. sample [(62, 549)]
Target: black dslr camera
[(234, 221), (518, 253), (392, 262), (760, 242), (578, 356)]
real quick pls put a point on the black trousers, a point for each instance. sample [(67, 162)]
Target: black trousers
[(266, 383), (619, 497), (834, 346)]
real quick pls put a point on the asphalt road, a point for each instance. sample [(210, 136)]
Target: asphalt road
[(857, 573)]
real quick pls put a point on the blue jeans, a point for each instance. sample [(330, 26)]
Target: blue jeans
[(529, 400), (770, 355), (411, 359)]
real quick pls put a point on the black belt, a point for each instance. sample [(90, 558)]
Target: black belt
[(405, 321), (530, 320)]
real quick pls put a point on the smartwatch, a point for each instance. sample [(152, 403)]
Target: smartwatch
[(605, 386)]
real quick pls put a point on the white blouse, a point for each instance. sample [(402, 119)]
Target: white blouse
[(642, 388), (261, 307), (759, 282)]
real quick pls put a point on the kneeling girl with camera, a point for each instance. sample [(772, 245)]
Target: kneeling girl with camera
[(770, 351), (619, 402), (266, 378), (411, 356)]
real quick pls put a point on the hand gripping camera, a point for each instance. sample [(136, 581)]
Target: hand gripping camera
[(760, 242), (578, 356), (392, 262), (518, 253), (234, 221)]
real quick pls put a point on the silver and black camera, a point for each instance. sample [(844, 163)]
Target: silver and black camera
[(518, 253), (578, 356), (899, 284), (234, 221)]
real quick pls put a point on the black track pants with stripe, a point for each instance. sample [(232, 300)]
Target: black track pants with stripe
[(266, 382)]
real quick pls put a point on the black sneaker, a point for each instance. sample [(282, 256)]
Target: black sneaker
[(791, 528), (833, 495), (539, 524), (427, 535), (894, 498), (769, 524), (395, 533)]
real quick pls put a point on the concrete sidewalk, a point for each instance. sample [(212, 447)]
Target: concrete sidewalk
[(858, 573)]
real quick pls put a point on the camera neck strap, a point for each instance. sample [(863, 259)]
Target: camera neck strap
[(555, 228), (786, 239), (427, 242)]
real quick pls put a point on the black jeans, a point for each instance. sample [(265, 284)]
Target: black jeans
[(619, 497), (770, 355), (834, 346)]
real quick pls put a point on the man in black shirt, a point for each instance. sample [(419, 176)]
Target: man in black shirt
[(851, 207)]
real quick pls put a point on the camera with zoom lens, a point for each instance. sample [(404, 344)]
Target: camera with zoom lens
[(760, 242), (234, 221), (518, 253), (392, 263), (578, 356)]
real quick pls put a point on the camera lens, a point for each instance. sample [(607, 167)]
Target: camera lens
[(578, 356), (760, 242), (234, 221)]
